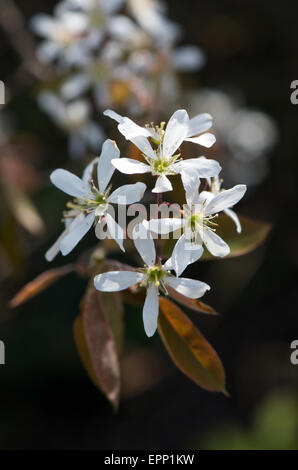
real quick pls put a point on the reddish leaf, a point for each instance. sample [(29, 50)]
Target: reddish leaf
[(113, 308), (97, 347), (82, 347), (193, 304), (39, 284), (188, 348)]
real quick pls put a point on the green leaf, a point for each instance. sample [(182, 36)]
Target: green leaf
[(254, 233), (188, 348), (97, 346)]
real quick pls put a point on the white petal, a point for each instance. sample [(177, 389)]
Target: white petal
[(205, 197), (144, 243), (76, 234), (55, 248), (130, 166), (116, 280), (198, 124), (53, 106), (216, 245), (188, 58), (150, 311), (87, 175), (144, 145), (70, 184), (128, 194), (122, 28), (226, 199), (204, 167), (43, 24), (105, 168), (48, 51), (176, 132), (75, 86), (206, 140), (113, 115), (130, 130), (184, 253), (115, 230), (188, 287), (93, 135), (162, 185), (164, 226), (235, 219), (111, 6), (191, 183)]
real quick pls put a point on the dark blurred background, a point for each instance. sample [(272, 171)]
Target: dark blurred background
[(46, 398)]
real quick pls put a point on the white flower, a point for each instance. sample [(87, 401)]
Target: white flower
[(150, 14), (64, 36), (198, 225), (91, 203), (215, 189), (75, 119), (154, 277), (99, 16), (165, 160)]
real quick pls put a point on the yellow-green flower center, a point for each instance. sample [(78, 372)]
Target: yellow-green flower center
[(99, 203), (197, 222), (155, 275)]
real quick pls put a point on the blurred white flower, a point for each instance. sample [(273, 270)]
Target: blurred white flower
[(246, 135), (64, 37), (253, 134), (99, 14), (150, 14), (155, 277), (75, 119)]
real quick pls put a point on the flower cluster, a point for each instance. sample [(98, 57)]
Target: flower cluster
[(161, 149), (109, 53)]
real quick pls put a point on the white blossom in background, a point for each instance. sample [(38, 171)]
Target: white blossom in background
[(75, 119), (77, 27), (64, 37), (151, 15), (110, 63), (165, 159), (198, 224), (123, 51), (92, 202), (246, 136), (155, 277)]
